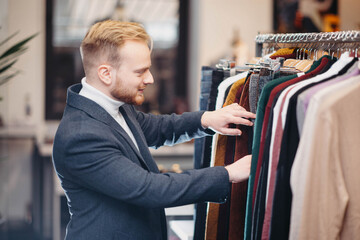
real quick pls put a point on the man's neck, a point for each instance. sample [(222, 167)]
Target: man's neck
[(98, 86), (93, 93)]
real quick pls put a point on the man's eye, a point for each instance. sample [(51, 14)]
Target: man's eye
[(140, 72)]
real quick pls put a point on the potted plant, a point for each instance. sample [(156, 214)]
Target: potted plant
[(8, 57)]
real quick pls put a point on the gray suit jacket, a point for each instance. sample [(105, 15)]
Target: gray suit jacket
[(115, 191)]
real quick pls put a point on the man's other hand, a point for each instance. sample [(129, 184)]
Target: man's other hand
[(240, 170)]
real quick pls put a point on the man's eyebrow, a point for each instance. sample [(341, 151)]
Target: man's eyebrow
[(142, 69)]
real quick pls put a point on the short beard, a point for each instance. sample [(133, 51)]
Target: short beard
[(126, 97)]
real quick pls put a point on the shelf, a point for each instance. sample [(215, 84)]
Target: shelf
[(186, 210), (185, 149), (18, 132), (184, 229)]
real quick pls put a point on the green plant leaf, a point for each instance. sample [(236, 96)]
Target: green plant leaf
[(6, 67), (18, 46), (6, 78), (12, 57), (8, 38)]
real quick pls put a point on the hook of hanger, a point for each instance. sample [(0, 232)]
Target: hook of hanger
[(296, 55), (347, 35), (296, 37), (309, 53)]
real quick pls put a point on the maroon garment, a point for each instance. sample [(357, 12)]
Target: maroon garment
[(223, 217), (277, 89), (239, 190)]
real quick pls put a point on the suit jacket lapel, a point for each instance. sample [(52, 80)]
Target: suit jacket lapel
[(120, 130), (140, 138), (97, 112)]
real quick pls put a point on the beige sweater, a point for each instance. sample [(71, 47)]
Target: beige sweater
[(325, 177)]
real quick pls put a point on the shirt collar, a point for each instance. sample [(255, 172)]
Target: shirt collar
[(109, 104)]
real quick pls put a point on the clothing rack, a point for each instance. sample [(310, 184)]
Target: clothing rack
[(322, 40)]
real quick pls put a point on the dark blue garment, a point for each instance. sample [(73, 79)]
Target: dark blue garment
[(216, 77), (200, 208), (205, 87)]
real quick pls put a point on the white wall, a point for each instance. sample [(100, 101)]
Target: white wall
[(349, 14), (3, 18), (3, 35), (27, 17), (212, 25)]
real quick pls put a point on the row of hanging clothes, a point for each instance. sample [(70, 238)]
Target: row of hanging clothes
[(305, 142)]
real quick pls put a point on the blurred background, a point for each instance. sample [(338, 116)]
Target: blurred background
[(187, 34)]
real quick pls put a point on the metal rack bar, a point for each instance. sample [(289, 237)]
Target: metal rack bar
[(318, 39)]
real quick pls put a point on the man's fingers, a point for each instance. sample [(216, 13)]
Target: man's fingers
[(241, 112), (242, 121), (231, 131), (245, 114), (237, 106)]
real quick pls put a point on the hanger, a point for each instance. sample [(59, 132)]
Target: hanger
[(225, 64)]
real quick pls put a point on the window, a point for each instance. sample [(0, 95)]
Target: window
[(164, 20)]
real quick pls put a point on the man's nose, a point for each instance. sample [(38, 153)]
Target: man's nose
[(149, 79)]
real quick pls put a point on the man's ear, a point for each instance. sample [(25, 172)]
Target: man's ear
[(104, 74)]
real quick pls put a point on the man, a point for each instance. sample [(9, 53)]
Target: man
[(113, 186)]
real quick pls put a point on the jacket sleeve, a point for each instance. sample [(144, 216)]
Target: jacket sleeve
[(97, 164), (171, 129)]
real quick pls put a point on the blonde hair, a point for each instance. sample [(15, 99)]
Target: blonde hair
[(104, 39)]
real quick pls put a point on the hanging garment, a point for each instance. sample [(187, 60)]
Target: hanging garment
[(282, 195), (262, 168), (200, 208), (304, 98), (265, 184), (297, 175), (257, 132), (253, 90), (285, 53), (267, 158), (236, 214), (205, 87), (331, 202), (222, 90), (220, 153), (217, 78), (275, 141), (259, 205), (256, 142), (265, 148), (224, 209)]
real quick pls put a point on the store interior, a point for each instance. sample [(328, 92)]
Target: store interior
[(187, 35)]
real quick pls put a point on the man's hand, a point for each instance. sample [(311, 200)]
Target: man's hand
[(240, 170), (220, 119)]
